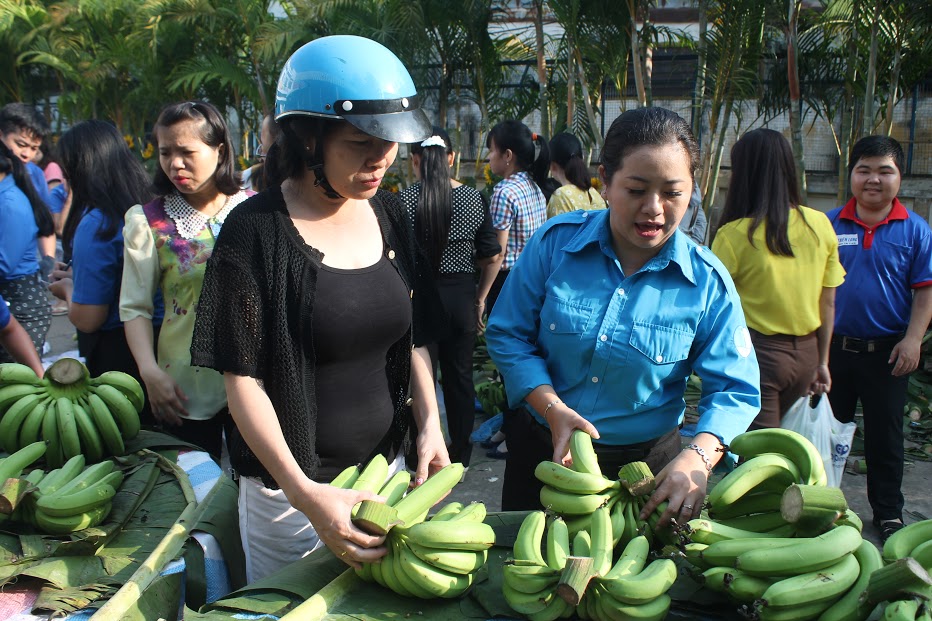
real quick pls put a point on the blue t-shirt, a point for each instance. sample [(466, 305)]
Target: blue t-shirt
[(57, 197), (41, 185), (18, 230), (617, 349), (884, 263), (4, 313), (97, 269)]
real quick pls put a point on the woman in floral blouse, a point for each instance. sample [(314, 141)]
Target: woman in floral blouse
[(167, 244)]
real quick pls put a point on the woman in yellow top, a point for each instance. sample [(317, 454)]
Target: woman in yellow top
[(783, 258), (567, 167)]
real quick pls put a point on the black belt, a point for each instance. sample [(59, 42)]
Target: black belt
[(862, 346)]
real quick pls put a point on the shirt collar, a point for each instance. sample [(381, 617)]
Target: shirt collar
[(597, 230), (850, 212), (7, 182)]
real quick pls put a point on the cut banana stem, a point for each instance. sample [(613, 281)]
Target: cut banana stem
[(637, 478), (902, 578), (802, 502), (375, 518), (575, 578)]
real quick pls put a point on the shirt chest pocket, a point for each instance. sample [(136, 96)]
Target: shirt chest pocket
[(563, 317), (655, 351)]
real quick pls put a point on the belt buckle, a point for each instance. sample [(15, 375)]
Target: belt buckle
[(845, 347)]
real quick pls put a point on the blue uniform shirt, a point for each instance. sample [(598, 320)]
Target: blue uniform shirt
[(18, 230), (619, 349), (41, 185), (884, 263), (4, 313), (97, 269)]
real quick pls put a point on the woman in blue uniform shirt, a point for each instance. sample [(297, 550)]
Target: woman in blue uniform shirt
[(606, 315)]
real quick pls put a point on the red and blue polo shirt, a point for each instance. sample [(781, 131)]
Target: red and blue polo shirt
[(884, 263)]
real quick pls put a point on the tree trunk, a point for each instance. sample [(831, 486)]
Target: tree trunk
[(648, 57), (792, 68), (570, 81), (699, 88), (868, 126), (847, 109), (710, 192), (546, 129), (590, 112), (894, 87), (636, 61)]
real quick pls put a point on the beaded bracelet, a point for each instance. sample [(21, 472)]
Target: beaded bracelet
[(550, 405), (705, 458)]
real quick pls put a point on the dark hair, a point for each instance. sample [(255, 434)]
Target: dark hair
[(262, 175), (516, 136), (12, 165), (103, 174), (298, 146), (876, 146), (213, 132), (17, 116), (763, 187), (435, 200), (647, 126), (566, 152)]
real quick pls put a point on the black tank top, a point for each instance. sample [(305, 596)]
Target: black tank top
[(358, 315)]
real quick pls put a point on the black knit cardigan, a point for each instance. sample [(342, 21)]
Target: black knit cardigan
[(255, 313)]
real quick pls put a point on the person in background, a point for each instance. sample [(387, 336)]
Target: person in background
[(16, 342), (167, 242), (106, 180), (567, 167), (22, 129), (694, 222), (606, 315), (518, 209), (256, 176), (23, 217), (783, 258), (315, 310), (451, 223), (882, 312)]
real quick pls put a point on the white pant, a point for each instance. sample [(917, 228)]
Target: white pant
[(273, 532)]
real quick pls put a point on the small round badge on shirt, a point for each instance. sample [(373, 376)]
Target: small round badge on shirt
[(391, 254), (743, 341)]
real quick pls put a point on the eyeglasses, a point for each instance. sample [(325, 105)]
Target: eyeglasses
[(260, 153)]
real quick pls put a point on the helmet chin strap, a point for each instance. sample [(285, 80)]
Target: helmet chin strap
[(321, 180)]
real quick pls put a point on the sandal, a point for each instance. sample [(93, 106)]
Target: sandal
[(497, 454), (888, 527)]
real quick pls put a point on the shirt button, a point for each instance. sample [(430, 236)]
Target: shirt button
[(585, 214), (553, 326), (659, 358), (595, 380), (391, 254), (409, 401), (621, 292), (603, 338)]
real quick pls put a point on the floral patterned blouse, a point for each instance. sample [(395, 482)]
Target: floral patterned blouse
[(167, 244)]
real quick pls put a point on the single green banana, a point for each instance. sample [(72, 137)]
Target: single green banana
[(793, 613), (91, 475), (851, 607), (373, 476), (758, 522), (530, 579), (555, 609), (795, 446), (392, 578), (346, 478), (59, 477), (583, 453), (566, 503), (654, 610), (106, 425), (901, 610), (453, 561), (399, 575), (83, 501), (437, 582), (15, 373), (751, 473), (528, 603), (716, 578), (394, 489), (600, 534), (447, 511), (692, 552), (473, 512), (62, 525), (67, 428), (923, 554), (632, 560), (808, 555), (13, 420), (91, 443), (826, 584), (654, 581), (749, 504), (126, 384), (12, 465), (530, 537), (31, 429), (568, 480), (582, 544), (54, 456), (122, 409), (709, 532), (14, 392), (723, 553), (450, 535), (419, 500), (746, 588), (632, 521), (558, 544), (617, 516), (901, 543), (576, 523)]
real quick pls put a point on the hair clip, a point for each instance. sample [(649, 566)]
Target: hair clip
[(534, 136), (434, 141)]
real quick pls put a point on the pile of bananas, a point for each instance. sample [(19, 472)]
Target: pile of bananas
[(904, 583), (426, 559), (491, 395), (576, 492), (72, 412)]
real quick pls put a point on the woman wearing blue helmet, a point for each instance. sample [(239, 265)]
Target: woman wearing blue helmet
[(312, 307)]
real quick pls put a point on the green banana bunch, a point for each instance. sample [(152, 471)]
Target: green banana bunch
[(814, 591), (491, 396), (72, 412), (903, 542), (73, 498), (794, 446), (530, 581)]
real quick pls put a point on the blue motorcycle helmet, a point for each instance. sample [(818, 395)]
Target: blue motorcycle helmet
[(354, 79)]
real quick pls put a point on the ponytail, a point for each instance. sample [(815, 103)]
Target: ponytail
[(434, 213), (540, 169), (577, 173)]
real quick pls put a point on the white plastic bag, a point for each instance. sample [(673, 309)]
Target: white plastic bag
[(831, 437)]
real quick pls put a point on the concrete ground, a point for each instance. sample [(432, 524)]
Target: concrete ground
[(483, 481)]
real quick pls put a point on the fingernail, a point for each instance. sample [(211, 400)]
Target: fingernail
[(418, 481)]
